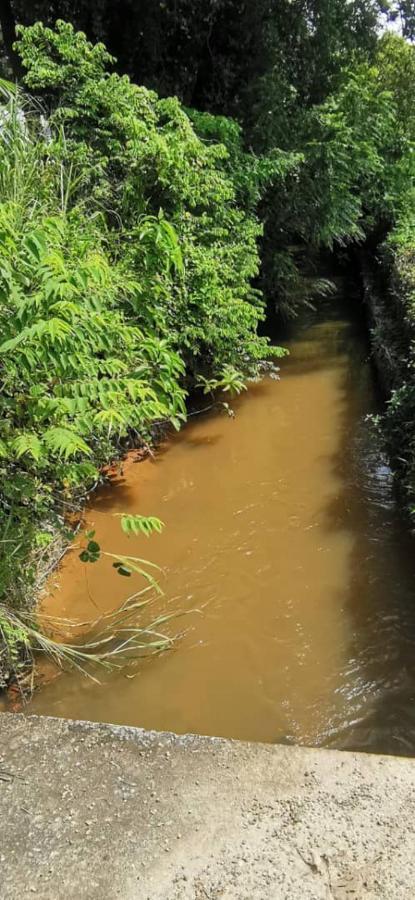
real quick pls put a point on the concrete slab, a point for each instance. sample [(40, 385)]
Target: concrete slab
[(96, 811)]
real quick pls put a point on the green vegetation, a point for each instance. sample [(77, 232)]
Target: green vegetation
[(397, 337), (127, 261), (142, 235)]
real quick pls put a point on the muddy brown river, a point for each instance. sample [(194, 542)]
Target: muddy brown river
[(282, 529)]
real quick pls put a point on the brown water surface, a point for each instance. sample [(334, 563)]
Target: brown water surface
[(281, 526)]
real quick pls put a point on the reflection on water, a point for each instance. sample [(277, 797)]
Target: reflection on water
[(281, 527)]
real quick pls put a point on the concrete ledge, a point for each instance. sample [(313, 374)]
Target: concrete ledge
[(97, 811)]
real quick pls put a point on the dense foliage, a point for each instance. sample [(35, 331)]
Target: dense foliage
[(208, 52)]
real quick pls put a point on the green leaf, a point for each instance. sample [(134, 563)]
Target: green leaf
[(136, 524), (65, 443), (93, 547), (27, 444), (123, 570)]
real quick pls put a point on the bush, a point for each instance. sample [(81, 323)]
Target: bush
[(141, 155), (398, 262)]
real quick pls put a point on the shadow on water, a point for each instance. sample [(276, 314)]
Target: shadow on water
[(379, 682), (196, 442), (104, 501)]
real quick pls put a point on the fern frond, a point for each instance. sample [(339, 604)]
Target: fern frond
[(65, 443), (27, 444)]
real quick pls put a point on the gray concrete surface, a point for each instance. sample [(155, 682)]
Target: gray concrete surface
[(96, 811)]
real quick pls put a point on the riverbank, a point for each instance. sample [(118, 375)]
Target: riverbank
[(389, 295), (121, 812)]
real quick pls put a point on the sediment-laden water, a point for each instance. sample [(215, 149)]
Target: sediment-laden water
[(282, 529)]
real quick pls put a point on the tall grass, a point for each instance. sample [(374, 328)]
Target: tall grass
[(111, 641)]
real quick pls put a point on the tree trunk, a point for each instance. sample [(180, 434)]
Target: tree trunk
[(8, 30)]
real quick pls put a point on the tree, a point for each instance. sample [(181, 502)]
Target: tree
[(8, 31), (404, 11), (209, 52)]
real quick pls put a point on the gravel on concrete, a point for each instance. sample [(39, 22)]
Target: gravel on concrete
[(99, 811)]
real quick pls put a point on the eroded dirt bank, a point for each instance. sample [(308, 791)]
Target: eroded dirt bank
[(102, 811)]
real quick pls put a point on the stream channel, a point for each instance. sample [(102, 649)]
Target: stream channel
[(283, 530)]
